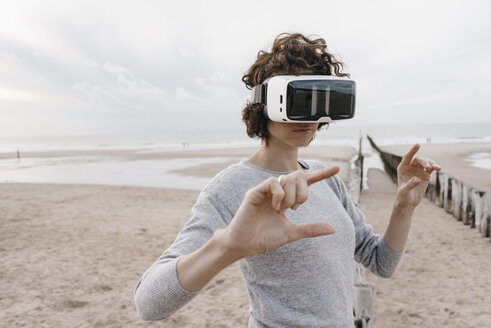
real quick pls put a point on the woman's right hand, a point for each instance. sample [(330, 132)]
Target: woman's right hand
[(260, 225)]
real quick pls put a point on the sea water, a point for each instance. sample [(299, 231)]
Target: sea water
[(104, 169), (337, 134)]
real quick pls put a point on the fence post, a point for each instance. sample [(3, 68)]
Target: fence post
[(448, 196), (443, 189), (485, 215), (430, 191), (479, 208), (437, 196), (363, 306), (457, 199), (468, 206), (488, 214), (364, 292)]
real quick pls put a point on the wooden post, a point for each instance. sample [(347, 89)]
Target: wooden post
[(360, 158), (355, 182), (363, 306), (363, 299), (468, 206), (443, 189), (479, 201), (485, 216), (448, 197), (364, 291), (488, 212), (437, 196), (430, 191), (457, 199)]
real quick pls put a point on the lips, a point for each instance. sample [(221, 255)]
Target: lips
[(303, 130)]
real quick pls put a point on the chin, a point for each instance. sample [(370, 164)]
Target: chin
[(303, 143), (311, 139)]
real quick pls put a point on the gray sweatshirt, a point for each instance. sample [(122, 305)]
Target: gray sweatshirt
[(308, 283)]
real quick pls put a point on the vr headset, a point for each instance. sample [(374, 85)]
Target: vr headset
[(306, 98)]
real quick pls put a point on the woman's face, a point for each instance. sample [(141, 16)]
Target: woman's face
[(291, 134)]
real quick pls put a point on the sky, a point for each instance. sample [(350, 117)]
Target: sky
[(133, 67)]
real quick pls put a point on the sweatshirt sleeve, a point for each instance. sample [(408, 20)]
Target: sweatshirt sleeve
[(159, 293), (370, 249)]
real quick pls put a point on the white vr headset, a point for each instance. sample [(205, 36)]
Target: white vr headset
[(306, 98)]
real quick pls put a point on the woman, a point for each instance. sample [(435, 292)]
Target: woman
[(290, 223)]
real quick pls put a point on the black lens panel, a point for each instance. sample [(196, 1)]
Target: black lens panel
[(309, 100)]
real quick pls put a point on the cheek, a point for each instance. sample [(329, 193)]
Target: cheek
[(276, 128)]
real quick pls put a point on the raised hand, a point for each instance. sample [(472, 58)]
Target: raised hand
[(413, 175), (260, 225)]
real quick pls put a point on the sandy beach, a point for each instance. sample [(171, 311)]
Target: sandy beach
[(72, 254)]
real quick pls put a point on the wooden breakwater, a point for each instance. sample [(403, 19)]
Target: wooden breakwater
[(364, 292), (467, 203), (355, 184)]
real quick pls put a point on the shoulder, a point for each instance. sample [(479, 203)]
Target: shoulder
[(314, 164), (233, 182), (221, 196), (226, 177)]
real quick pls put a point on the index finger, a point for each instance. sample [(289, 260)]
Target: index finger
[(406, 160), (321, 174)]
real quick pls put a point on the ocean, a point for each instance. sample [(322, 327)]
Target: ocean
[(100, 168), (336, 134)]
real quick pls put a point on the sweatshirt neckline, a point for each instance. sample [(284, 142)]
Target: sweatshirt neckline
[(304, 165)]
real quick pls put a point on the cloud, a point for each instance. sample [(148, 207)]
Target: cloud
[(121, 89), (219, 91), (169, 64)]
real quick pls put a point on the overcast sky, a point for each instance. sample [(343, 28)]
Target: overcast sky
[(112, 67)]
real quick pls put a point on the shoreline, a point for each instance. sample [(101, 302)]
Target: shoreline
[(233, 149), (184, 169), (338, 133)]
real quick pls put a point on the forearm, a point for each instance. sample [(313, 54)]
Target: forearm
[(398, 229), (197, 269)]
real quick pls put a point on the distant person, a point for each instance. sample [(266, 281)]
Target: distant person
[(290, 223)]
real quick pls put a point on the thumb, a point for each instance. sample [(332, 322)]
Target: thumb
[(312, 230), (408, 186)]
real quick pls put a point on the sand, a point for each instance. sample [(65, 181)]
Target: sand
[(72, 255)]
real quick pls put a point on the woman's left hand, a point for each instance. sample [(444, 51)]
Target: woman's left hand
[(413, 176)]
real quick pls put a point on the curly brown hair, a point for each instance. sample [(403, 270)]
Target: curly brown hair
[(291, 54)]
